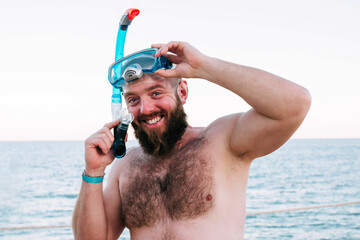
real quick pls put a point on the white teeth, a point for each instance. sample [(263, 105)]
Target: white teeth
[(154, 120)]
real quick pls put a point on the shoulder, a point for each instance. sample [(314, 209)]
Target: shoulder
[(223, 126), (122, 164), (221, 132)]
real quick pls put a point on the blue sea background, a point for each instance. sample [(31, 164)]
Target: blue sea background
[(40, 181)]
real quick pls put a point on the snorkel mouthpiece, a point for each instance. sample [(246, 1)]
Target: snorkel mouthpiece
[(120, 134)]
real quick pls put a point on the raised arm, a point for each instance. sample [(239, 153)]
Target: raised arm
[(278, 105), (97, 214)]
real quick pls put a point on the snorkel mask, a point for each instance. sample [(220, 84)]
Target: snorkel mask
[(132, 67)]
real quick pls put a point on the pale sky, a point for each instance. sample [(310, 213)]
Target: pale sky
[(54, 57)]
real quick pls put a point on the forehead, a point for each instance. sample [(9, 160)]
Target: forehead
[(147, 81)]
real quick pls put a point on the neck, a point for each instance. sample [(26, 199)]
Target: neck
[(190, 134)]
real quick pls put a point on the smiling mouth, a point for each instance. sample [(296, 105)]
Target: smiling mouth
[(153, 120)]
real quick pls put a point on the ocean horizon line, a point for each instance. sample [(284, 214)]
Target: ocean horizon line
[(81, 140)]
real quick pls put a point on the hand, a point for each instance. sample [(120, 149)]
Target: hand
[(98, 150), (187, 58)]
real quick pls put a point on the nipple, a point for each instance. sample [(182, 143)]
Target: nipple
[(208, 197)]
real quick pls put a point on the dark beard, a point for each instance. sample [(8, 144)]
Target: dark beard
[(159, 144)]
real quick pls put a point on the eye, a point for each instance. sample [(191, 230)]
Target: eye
[(132, 101), (156, 93)]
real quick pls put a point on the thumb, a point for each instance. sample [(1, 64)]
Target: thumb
[(112, 124), (168, 73)]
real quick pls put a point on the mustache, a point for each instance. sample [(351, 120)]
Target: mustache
[(144, 117)]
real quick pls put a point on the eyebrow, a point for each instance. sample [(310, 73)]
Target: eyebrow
[(146, 89), (154, 87)]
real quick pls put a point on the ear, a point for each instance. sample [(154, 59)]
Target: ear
[(183, 91)]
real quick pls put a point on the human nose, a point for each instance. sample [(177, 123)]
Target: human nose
[(147, 107)]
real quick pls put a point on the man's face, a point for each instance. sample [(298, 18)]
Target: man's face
[(159, 117)]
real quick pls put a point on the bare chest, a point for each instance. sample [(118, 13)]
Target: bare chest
[(179, 188)]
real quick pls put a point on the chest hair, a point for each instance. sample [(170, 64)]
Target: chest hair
[(180, 187)]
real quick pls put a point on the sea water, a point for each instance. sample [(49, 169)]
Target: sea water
[(40, 181)]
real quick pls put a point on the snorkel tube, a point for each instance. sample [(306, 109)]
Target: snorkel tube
[(116, 103)]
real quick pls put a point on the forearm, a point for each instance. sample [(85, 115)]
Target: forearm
[(89, 218), (268, 94)]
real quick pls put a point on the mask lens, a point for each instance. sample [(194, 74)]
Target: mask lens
[(146, 60)]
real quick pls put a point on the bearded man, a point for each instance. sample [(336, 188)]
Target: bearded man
[(184, 182)]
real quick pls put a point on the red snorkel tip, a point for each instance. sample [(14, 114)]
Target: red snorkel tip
[(132, 13), (128, 16)]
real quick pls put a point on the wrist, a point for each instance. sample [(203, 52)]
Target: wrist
[(208, 64), (91, 178), (94, 172)]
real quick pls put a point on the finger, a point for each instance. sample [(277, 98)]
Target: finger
[(157, 45), (108, 133), (174, 46), (162, 48), (162, 51), (106, 139), (96, 141), (112, 124), (103, 146)]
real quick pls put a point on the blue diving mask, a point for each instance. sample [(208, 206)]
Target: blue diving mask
[(132, 66)]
